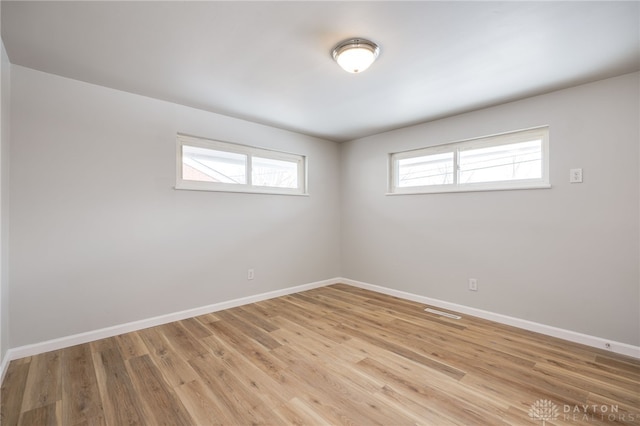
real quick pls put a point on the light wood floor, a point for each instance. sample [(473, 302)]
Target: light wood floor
[(334, 355)]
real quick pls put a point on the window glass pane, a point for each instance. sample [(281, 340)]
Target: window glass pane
[(434, 169), (208, 165), (501, 163), (274, 173)]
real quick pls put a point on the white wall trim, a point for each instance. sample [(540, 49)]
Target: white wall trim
[(572, 336), (4, 365), (77, 339), (90, 336)]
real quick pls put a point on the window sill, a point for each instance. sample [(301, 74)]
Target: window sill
[(269, 191), (442, 190)]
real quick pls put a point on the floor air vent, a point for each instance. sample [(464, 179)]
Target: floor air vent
[(444, 314)]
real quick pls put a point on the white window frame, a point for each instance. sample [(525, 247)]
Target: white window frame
[(249, 151), (459, 146)]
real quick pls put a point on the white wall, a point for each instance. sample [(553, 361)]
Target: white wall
[(100, 238), (5, 69), (98, 235), (565, 256)]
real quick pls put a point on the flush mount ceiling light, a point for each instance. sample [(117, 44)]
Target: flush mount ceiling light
[(355, 55)]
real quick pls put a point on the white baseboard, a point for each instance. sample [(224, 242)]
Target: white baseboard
[(572, 336), (3, 366), (90, 336), (77, 339)]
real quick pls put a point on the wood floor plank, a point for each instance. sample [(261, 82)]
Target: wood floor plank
[(214, 345), (296, 412), (335, 355), (313, 344), (80, 393), (196, 328), (629, 396), (405, 310), (267, 387), (156, 394), (121, 403), (464, 396), (339, 397), (321, 324), (528, 344), (131, 345), (514, 394), (254, 317), (405, 352), (627, 364), (44, 384), (249, 347), (104, 344), (12, 392), (263, 308), (447, 407), (421, 413), (450, 345), (46, 415), (234, 399), (202, 404), (206, 319), (293, 354), (181, 340), (375, 317), (175, 369), (605, 372), (248, 329), (625, 414)]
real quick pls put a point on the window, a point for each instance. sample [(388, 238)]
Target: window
[(209, 165), (515, 160)]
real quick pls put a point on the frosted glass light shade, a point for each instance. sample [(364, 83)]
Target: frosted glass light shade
[(355, 55)]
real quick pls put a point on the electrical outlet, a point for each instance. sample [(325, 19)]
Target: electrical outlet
[(250, 274), (473, 284), (575, 176)]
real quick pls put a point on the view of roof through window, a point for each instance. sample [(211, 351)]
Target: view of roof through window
[(223, 166), (207, 165)]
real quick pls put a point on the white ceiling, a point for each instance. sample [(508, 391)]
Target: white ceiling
[(270, 62)]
